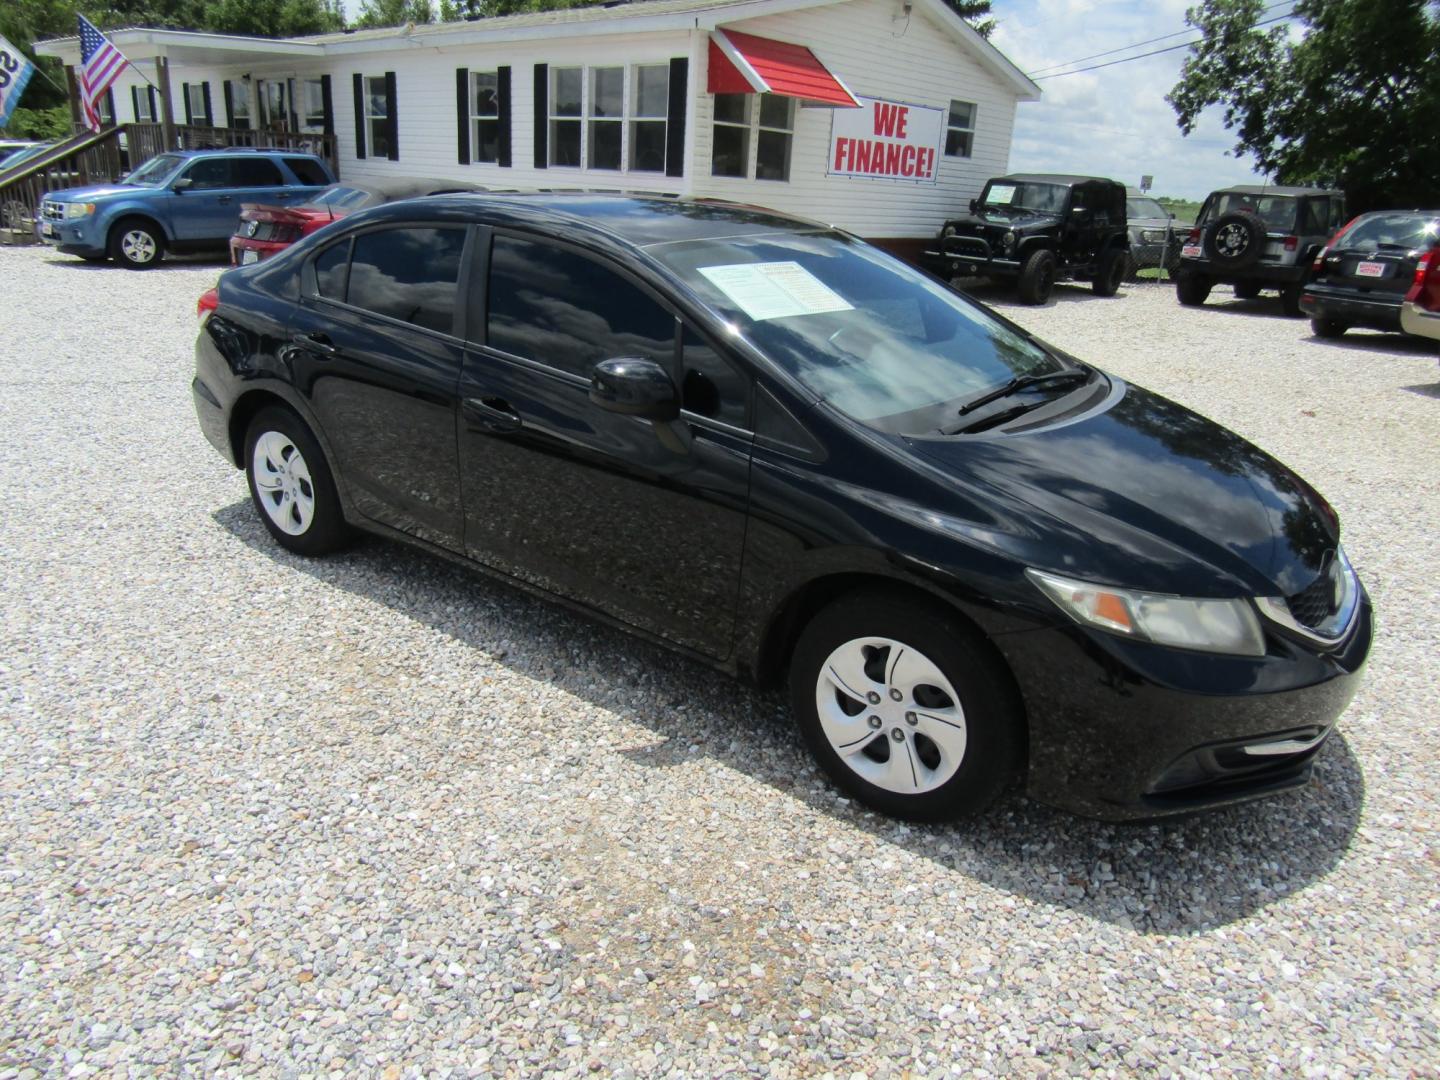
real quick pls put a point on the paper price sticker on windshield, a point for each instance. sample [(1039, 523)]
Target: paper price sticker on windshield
[(774, 290)]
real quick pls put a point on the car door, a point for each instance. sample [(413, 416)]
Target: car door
[(259, 180), (205, 201), (376, 348), (641, 519)]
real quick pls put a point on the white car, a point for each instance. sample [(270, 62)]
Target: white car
[(1420, 313)]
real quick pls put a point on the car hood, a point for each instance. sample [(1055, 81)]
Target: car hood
[(1150, 223), (1023, 219), (1144, 494), (94, 191)]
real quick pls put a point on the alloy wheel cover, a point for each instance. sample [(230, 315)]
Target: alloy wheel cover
[(282, 483)]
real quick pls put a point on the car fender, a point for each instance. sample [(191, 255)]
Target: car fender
[(148, 209), (1026, 244)]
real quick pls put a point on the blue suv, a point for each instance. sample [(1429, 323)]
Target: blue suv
[(188, 200)]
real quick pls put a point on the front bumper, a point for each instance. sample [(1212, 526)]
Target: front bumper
[(1352, 308), (1275, 274), (968, 255), (80, 236), (1126, 730)]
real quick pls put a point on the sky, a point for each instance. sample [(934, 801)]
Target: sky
[(1112, 122)]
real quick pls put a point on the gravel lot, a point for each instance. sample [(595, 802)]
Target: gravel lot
[(376, 816)]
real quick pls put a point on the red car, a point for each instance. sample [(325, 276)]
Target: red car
[(264, 230)]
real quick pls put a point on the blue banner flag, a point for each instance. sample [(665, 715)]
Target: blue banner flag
[(15, 72)]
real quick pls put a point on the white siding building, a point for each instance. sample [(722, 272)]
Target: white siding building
[(878, 116)]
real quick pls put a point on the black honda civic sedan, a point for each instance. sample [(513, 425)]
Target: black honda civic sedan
[(974, 559)]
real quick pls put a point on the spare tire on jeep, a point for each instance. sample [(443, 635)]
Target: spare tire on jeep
[(1236, 240)]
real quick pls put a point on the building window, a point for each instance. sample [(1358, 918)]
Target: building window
[(143, 102), (107, 109), (606, 117), (312, 101), (566, 91), (960, 129), (649, 109), (272, 105), (237, 95), (772, 146), (377, 116), (485, 116), (730, 149), (195, 104)]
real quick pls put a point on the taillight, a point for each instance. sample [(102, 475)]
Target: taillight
[(1194, 237), (1335, 242), (1291, 243), (1425, 290), (1320, 261), (208, 302)]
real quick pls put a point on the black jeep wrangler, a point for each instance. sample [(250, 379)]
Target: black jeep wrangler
[(1037, 228), (1253, 238)]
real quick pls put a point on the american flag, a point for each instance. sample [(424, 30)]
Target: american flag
[(100, 65)]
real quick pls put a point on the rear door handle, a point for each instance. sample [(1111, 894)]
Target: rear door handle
[(490, 414), (316, 343)]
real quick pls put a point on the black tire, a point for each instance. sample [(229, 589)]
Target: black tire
[(1246, 290), (1191, 289), (1037, 277), (1132, 268), (1112, 271), (1235, 241), (326, 529), (1328, 328), (1290, 299), (988, 703), (136, 243)]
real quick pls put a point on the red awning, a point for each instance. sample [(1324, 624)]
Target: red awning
[(746, 64)]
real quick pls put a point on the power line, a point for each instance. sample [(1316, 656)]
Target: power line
[(1138, 44), (1153, 52)]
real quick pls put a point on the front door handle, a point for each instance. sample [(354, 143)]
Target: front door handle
[(490, 414), (316, 343)]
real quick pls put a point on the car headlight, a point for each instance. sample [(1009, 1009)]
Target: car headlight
[(1218, 626), (1152, 236), (1008, 241), (947, 232), (78, 210)]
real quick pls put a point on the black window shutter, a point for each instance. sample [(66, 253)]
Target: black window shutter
[(392, 119), (227, 89), (462, 115), (110, 102), (327, 102), (675, 127), (135, 102), (209, 109), (360, 117), (185, 93), (542, 115), (154, 109), (502, 153)]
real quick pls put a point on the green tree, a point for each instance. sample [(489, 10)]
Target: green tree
[(395, 12), (1350, 100), (976, 13)]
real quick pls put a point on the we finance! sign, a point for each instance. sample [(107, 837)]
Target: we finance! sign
[(886, 140)]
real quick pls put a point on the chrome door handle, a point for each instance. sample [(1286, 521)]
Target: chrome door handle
[(316, 343), (490, 414)]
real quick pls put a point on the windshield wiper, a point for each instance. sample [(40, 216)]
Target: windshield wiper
[(1024, 382)]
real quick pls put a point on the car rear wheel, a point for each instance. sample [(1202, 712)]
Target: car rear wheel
[(904, 708), (137, 244), (1111, 273), (1246, 290), (1191, 289), (291, 484), (1037, 277), (1328, 328)]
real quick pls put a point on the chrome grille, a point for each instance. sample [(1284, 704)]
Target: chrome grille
[(52, 211)]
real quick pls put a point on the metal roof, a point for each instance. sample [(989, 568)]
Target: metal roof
[(1056, 178)]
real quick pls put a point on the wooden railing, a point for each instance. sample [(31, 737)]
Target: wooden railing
[(109, 154)]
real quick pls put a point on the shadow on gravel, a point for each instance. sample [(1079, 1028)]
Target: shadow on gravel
[(1176, 878), (170, 262), (1000, 294), (1432, 390), (1377, 341)]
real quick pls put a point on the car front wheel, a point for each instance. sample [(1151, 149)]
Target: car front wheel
[(291, 484), (137, 244), (904, 708), (1111, 273), (1037, 277)]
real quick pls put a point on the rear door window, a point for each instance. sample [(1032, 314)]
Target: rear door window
[(256, 172), (411, 274), (560, 308), (307, 171)]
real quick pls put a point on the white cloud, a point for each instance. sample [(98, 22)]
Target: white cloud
[(1113, 121)]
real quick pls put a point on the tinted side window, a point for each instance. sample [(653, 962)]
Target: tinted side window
[(409, 274), (1317, 217), (308, 172), (556, 307), (256, 172), (330, 267), (709, 386), (210, 173)]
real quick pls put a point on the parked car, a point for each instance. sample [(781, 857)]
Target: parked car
[(779, 450), (264, 230), (1420, 311), (1039, 228), (183, 201), (1361, 277), (1257, 237), (1155, 239)]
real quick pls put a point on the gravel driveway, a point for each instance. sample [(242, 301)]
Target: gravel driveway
[(377, 816)]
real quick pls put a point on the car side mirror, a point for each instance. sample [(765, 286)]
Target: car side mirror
[(182, 185), (974, 206), (634, 386)]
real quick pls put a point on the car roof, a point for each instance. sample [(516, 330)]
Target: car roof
[(270, 151), (636, 220), (1275, 189), (1058, 178)]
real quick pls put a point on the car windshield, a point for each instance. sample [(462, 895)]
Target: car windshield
[(338, 197), (861, 330), (1029, 195), (154, 171), (1277, 211), (1394, 230), (1144, 208)]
